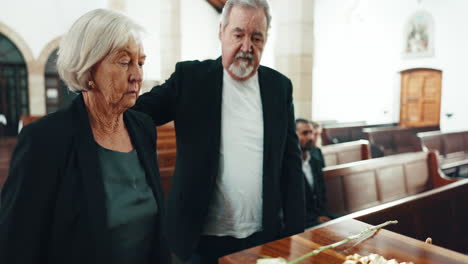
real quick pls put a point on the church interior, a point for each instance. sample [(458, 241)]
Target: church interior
[(383, 79)]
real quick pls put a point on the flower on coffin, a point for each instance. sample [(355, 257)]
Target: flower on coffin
[(371, 259), (272, 261)]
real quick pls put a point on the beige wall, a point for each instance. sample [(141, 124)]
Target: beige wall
[(294, 50), (290, 48), (170, 36)]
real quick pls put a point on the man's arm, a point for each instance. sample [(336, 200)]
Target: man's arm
[(159, 103), (292, 181)]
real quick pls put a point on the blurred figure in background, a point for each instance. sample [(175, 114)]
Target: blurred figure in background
[(309, 134)]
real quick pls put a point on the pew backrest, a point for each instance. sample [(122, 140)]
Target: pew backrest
[(26, 120), (431, 141), (394, 140), (167, 150), (358, 185), (341, 153), (440, 213), (345, 132), (7, 145), (452, 146)]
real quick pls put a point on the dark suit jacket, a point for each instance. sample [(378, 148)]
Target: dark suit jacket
[(316, 197), (53, 203), (192, 98)]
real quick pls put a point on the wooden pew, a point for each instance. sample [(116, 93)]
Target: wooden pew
[(345, 132), (166, 150), (7, 145), (166, 174), (166, 158), (166, 143), (453, 150), (166, 131), (166, 127), (394, 140), (166, 135), (28, 119), (358, 185), (341, 153), (441, 214)]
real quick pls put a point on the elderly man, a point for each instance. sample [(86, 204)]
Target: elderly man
[(309, 133), (238, 180)]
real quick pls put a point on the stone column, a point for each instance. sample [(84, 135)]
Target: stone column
[(294, 49), (170, 36), (36, 83)]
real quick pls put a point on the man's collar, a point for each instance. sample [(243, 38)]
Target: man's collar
[(254, 77), (307, 159)]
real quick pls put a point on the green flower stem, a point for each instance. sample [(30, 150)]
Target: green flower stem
[(344, 241)]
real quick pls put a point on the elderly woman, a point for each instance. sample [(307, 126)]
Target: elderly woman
[(84, 184)]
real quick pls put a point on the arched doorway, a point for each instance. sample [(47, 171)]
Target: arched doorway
[(13, 87), (57, 94)]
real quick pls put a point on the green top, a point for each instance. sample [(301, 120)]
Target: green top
[(131, 206)]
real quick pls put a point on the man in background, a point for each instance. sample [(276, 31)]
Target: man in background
[(309, 134)]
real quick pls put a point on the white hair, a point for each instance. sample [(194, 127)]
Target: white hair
[(92, 37), (245, 3)]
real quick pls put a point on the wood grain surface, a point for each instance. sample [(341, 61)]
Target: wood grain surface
[(385, 243)]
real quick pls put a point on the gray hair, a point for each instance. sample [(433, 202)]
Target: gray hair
[(245, 3), (314, 124), (92, 37)]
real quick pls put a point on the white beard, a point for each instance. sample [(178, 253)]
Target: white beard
[(242, 70)]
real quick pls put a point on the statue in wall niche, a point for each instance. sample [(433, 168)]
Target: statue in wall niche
[(418, 39), (419, 36)]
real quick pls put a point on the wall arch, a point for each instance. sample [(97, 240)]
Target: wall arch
[(14, 95), (56, 93), (20, 43), (46, 52), (35, 79)]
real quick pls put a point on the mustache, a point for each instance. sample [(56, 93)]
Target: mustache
[(244, 55), (307, 146)]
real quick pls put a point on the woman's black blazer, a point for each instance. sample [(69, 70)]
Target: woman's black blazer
[(52, 207)]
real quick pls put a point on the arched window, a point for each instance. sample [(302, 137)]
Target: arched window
[(13, 87), (56, 91)]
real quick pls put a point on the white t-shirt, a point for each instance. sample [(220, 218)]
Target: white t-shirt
[(308, 171), (237, 205)]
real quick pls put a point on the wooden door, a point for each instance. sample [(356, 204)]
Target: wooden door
[(420, 97)]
